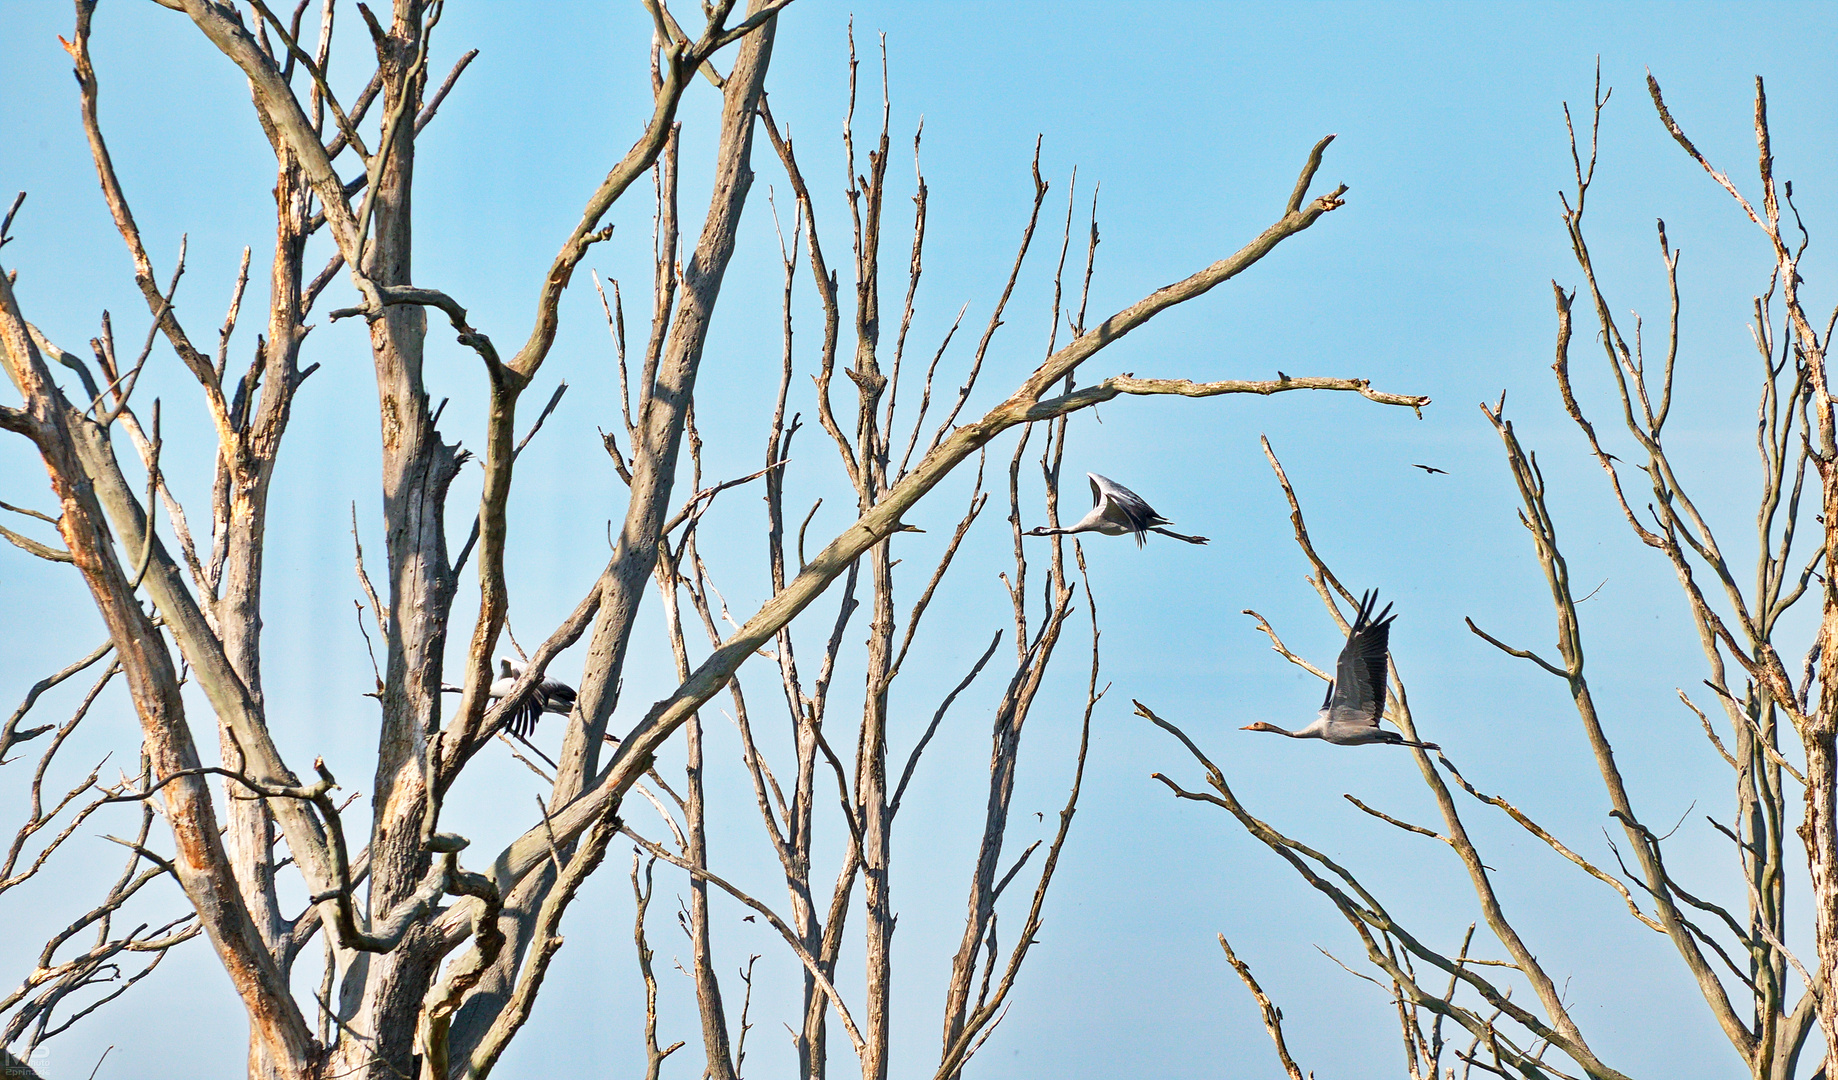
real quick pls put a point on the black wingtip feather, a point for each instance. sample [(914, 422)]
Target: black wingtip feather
[(522, 723), (1364, 617), (1364, 662)]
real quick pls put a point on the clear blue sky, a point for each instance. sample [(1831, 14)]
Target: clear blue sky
[(1433, 279)]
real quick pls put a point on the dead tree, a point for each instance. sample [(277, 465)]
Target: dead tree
[(1763, 997), (435, 954)]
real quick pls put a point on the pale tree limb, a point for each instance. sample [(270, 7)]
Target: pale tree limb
[(654, 1056), (1272, 1016), (1536, 517), (9, 735)]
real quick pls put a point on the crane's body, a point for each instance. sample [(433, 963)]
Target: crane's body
[(549, 695), (1117, 511), (1355, 699)]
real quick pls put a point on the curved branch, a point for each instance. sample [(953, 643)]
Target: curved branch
[(1100, 392)]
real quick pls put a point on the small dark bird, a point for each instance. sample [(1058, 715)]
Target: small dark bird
[(1115, 511), (549, 695), (750, 918), (1431, 469), (1040, 815), (1356, 698)]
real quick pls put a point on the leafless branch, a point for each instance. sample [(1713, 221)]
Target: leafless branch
[(1272, 1016)]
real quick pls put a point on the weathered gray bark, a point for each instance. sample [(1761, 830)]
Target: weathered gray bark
[(665, 404), (1819, 737), (246, 472), (418, 467), (660, 420)]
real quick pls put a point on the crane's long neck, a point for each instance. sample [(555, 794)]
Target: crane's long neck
[(1317, 729)]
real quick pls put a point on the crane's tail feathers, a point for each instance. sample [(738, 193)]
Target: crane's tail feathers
[(1392, 738), (1180, 536)]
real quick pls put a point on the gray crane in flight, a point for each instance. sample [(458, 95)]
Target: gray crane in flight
[(1356, 697), (1115, 511)]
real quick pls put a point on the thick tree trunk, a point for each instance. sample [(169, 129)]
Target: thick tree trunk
[(418, 467), (266, 404), (1819, 831)]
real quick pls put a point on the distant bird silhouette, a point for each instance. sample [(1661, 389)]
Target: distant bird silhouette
[(1431, 469), (1356, 698), (1115, 511)]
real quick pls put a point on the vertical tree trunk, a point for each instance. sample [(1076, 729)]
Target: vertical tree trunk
[(417, 470), (871, 797), (249, 833), (871, 756), (1820, 827), (719, 1055), (1819, 830), (660, 427)]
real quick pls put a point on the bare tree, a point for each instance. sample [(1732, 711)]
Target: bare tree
[(67, 976), (435, 955), (1763, 997)]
